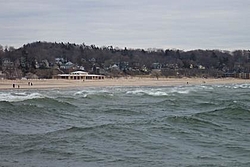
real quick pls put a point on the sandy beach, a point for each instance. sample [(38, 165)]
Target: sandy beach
[(135, 81)]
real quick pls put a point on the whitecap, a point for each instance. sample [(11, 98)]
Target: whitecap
[(90, 92), (244, 86), (152, 92), (207, 87), (180, 90), (19, 96), (79, 93), (157, 93), (136, 92), (235, 86), (183, 91)]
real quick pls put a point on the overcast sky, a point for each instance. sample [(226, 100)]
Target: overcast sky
[(180, 24)]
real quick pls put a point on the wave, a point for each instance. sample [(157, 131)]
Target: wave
[(42, 107), (93, 94), (5, 104), (48, 102), (234, 113), (151, 92), (77, 129), (81, 93), (181, 90), (19, 96), (167, 91), (99, 126), (137, 91), (234, 86), (123, 112), (192, 120)]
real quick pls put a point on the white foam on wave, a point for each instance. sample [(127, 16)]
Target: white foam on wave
[(235, 86), (206, 87), (86, 93), (180, 90), (183, 91), (241, 86), (151, 92), (162, 91), (81, 93), (135, 92), (157, 93), (190, 89), (19, 96)]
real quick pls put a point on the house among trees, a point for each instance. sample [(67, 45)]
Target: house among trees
[(44, 64), (9, 69), (7, 64), (2, 75), (156, 66), (59, 61), (67, 65)]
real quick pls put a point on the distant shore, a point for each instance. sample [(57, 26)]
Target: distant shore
[(130, 81)]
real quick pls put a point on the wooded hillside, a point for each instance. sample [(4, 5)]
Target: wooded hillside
[(46, 59)]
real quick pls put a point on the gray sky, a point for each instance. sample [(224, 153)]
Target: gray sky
[(181, 24)]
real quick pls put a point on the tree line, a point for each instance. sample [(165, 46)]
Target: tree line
[(169, 62)]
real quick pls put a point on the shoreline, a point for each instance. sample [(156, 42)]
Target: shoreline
[(131, 81)]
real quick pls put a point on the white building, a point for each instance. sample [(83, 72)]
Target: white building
[(79, 75)]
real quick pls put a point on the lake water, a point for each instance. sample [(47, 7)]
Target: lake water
[(202, 125)]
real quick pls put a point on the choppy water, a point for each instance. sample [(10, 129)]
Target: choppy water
[(126, 126)]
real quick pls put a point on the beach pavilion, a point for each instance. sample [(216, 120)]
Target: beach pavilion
[(79, 75)]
